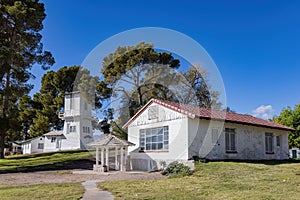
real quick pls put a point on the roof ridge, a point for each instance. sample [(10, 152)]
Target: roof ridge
[(193, 111)]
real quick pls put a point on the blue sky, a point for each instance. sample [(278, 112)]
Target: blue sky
[(255, 44)]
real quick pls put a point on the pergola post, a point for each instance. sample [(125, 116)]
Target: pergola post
[(104, 145), (102, 156), (125, 160), (107, 158), (116, 158), (97, 156), (122, 159)]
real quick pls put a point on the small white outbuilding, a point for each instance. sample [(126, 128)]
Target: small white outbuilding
[(34, 145)]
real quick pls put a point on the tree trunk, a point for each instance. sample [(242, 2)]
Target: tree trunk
[(2, 137), (140, 96), (5, 124)]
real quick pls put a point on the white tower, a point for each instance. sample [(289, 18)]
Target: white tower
[(77, 118)]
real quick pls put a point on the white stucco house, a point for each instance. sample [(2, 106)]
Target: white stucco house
[(77, 131), (34, 145), (165, 131)]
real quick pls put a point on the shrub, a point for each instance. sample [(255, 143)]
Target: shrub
[(176, 168)]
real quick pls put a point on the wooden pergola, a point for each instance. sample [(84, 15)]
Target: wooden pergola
[(110, 143)]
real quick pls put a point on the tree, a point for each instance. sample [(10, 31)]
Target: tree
[(291, 118), (135, 74), (129, 64), (20, 49)]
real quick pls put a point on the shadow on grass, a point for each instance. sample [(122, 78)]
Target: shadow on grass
[(37, 155), (65, 160), (86, 164)]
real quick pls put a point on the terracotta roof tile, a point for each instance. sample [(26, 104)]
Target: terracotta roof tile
[(195, 111)]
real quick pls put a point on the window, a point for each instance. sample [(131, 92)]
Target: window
[(214, 135), (269, 142), (278, 140), (72, 129), (154, 138), (53, 139), (153, 112), (86, 129), (40, 145), (230, 140)]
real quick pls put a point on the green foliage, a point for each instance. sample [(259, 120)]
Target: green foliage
[(177, 169), (21, 49), (291, 118), (136, 74)]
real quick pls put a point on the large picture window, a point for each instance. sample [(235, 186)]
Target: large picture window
[(230, 140), (153, 139), (269, 142)]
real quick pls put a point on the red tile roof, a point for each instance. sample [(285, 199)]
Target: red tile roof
[(204, 113)]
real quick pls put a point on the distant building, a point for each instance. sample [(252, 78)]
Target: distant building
[(77, 131), (34, 145)]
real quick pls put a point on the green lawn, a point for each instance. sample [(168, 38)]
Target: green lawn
[(57, 191), (218, 180), (46, 161)]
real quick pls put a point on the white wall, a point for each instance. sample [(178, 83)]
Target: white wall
[(26, 148), (250, 141), (32, 146), (177, 139), (79, 115), (52, 146)]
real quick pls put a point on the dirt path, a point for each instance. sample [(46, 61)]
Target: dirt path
[(32, 178), (93, 193)]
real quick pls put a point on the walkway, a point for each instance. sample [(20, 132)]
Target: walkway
[(93, 193)]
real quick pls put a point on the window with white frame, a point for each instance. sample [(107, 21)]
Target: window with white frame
[(153, 112), (230, 140), (154, 139), (278, 141), (269, 142), (40, 145), (72, 129)]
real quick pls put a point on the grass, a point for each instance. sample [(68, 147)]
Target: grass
[(61, 191), (218, 180), (46, 161)]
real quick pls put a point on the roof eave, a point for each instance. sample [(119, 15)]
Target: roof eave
[(250, 124)]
